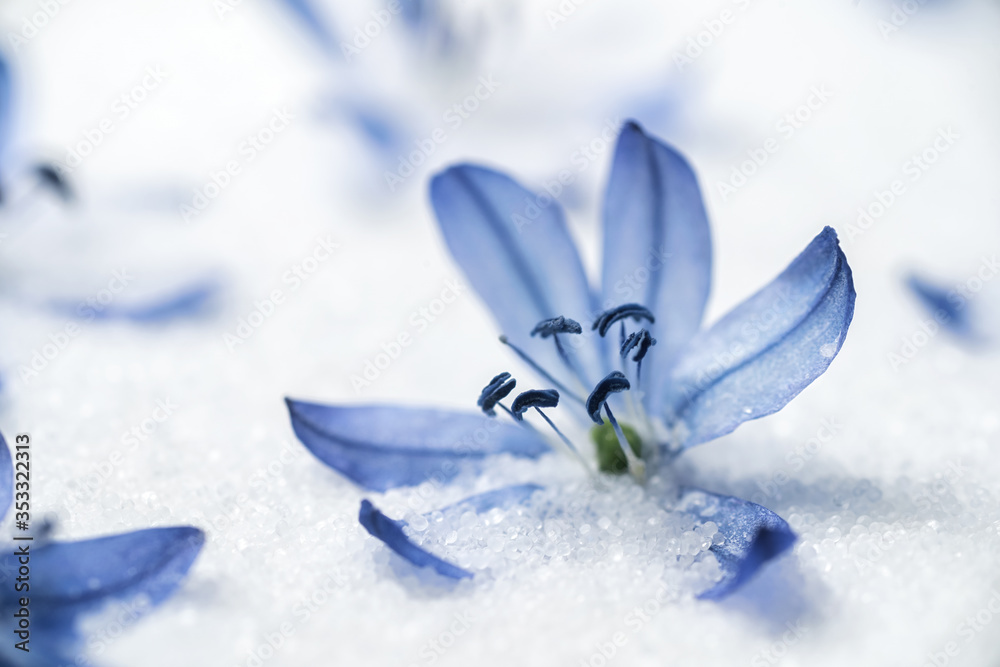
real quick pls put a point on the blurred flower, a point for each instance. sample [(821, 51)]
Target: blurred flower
[(515, 249), (52, 588), (950, 309)]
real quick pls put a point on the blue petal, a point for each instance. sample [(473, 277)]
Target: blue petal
[(193, 301), (657, 245), (383, 447), (6, 478), (517, 253), (949, 311), (391, 532), (313, 21), (754, 535), (71, 579), (6, 99), (769, 348)]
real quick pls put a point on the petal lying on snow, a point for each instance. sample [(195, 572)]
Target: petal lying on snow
[(754, 535), (383, 447), (136, 571), (766, 350), (517, 253), (391, 532), (657, 244)]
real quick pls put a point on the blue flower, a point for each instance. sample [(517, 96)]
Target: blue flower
[(64, 582), (673, 384)]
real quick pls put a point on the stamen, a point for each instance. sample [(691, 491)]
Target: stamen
[(494, 392), (643, 341), (560, 325), (614, 382), (51, 178), (609, 317), (545, 398), (534, 398), (556, 325), (541, 371)]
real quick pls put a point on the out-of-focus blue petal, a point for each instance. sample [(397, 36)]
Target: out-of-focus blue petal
[(191, 301), (314, 22), (6, 99), (946, 306), (383, 447), (6, 478), (769, 348), (517, 253), (657, 245), (754, 535), (391, 532), (71, 579)]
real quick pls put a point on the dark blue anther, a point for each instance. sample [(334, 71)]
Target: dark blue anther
[(556, 325), (494, 392), (641, 341), (534, 398), (609, 317), (612, 384)]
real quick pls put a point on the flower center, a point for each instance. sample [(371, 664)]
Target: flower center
[(619, 447)]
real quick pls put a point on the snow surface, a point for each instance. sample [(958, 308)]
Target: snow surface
[(888, 471)]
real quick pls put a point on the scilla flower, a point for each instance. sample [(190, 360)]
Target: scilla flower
[(631, 363), (48, 589)]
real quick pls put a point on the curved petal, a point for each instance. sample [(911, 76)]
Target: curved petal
[(391, 531), (517, 253), (766, 350), (657, 244), (6, 478), (383, 447), (70, 579), (754, 535)]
